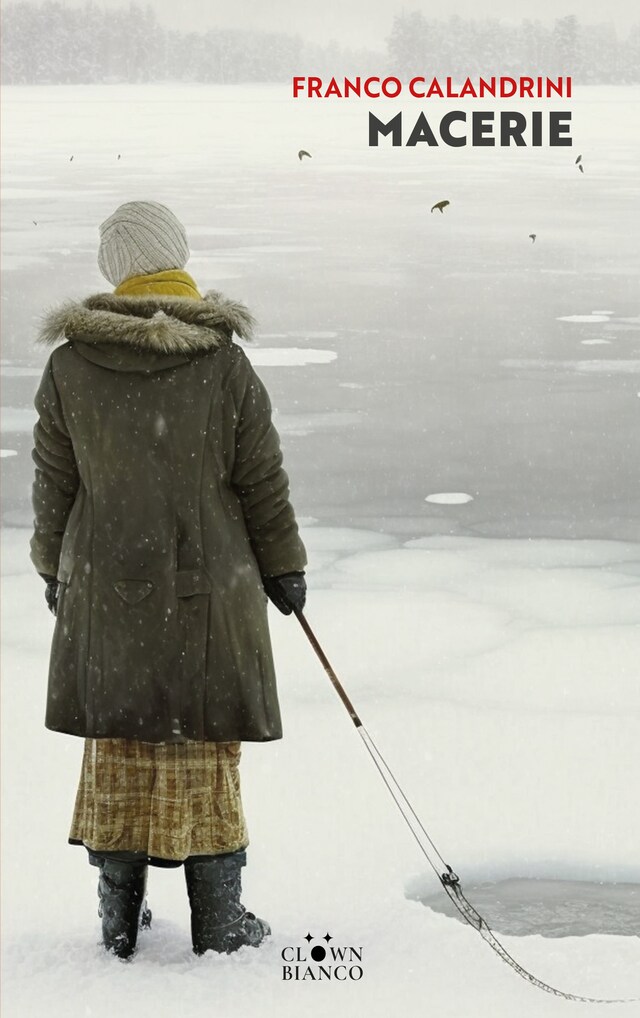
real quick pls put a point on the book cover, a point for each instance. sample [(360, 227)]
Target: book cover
[(432, 217)]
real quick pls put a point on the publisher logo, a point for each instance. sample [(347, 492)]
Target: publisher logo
[(321, 959)]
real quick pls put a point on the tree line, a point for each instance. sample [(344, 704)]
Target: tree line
[(590, 54), (51, 43)]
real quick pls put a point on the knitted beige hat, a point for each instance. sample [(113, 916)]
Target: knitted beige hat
[(141, 237)]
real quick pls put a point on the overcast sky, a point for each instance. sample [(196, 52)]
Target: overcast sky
[(367, 22)]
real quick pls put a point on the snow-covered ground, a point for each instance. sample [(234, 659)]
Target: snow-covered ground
[(459, 413), (500, 680)]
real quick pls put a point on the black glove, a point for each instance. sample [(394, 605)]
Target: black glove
[(51, 593), (287, 592)]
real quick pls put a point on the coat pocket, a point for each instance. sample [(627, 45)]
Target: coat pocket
[(133, 591)]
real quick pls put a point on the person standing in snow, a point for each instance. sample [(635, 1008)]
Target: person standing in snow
[(162, 522)]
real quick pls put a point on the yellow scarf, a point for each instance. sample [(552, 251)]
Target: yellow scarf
[(172, 281)]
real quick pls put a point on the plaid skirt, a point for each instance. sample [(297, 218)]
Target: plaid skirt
[(169, 800)]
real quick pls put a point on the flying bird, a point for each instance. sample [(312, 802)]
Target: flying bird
[(118, 155), (441, 205), (34, 222), (302, 153), (581, 168), (578, 160), (71, 160), (533, 237)]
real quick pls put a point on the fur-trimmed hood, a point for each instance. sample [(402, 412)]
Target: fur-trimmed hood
[(151, 324)]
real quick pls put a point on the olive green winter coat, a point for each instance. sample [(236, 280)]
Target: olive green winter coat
[(159, 500)]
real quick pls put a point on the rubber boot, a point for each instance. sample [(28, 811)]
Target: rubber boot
[(146, 915), (98, 858), (121, 888), (219, 922)]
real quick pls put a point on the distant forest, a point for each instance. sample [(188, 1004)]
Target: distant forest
[(50, 43)]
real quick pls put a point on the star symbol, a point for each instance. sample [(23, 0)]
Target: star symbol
[(308, 938), (327, 937)]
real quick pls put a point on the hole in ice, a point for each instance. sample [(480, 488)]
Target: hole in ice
[(548, 908), (314, 335), (594, 317), (596, 342), (291, 356), (8, 452), (449, 498), (305, 424)]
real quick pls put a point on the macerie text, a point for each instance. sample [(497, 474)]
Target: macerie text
[(480, 128)]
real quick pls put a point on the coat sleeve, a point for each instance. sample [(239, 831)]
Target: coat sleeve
[(56, 479), (259, 480)]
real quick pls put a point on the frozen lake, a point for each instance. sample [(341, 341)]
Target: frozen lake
[(408, 354), (440, 383)]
